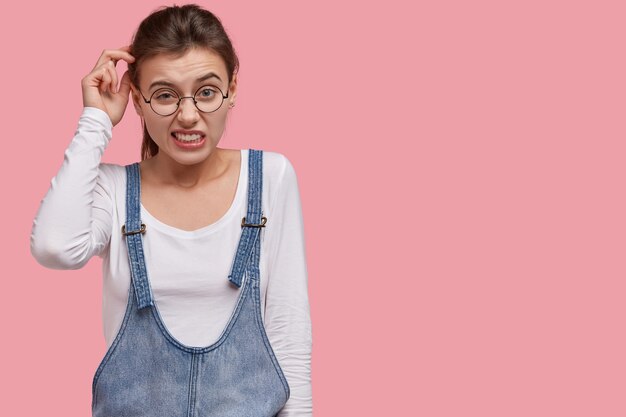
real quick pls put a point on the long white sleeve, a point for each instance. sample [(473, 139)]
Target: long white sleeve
[(74, 219), (287, 313)]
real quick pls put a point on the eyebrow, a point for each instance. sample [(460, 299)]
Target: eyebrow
[(172, 85)]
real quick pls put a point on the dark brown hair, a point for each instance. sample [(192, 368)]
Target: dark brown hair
[(174, 31)]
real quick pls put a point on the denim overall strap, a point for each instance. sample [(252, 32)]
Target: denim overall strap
[(133, 229), (252, 223)]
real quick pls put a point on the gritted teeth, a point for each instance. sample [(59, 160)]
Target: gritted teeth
[(187, 138)]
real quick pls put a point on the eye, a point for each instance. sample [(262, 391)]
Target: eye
[(206, 93), (165, 95)]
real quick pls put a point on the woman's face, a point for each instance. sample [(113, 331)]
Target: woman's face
[(187, 136)]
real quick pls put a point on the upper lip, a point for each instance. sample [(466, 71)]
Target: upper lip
[(188, 132)]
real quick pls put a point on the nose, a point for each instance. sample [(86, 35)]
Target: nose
[(188, 113)]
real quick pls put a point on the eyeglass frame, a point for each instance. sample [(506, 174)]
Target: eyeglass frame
[(195, 103)]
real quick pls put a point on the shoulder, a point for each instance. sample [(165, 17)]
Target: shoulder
[(111, 175), (279, 179), (112, 171), (277, 167)]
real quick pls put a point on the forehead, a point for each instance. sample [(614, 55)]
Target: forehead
[(184, 69)]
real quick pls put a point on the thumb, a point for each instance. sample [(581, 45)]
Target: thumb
[(125, 85)]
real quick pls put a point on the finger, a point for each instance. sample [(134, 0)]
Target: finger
[(105, 80), (96, 76), (124, 54), (125, 85), (114, 55), (129, 58), (113, 74)]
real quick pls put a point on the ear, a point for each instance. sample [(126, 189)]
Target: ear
[(137, 99), (232, 90)]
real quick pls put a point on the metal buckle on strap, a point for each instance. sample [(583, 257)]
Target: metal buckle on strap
[(262, 224), (133, 232)]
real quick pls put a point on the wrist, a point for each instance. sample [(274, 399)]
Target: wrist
[(97, 115)]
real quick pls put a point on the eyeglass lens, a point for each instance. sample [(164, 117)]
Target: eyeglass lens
[(165, 101)]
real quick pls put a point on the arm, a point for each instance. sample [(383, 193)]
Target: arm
[(74, 219), (287, 313)]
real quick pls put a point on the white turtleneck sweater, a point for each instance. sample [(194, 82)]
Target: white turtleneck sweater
[(83, 212)]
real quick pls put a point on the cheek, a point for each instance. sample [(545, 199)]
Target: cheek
[(214, 119), (156, 128), (217, 124)]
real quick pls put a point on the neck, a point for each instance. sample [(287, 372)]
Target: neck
[(167, 171)]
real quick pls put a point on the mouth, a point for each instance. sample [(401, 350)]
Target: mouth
[(188, 139)]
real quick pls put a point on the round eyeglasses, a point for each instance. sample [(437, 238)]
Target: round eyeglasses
[(165, 101)]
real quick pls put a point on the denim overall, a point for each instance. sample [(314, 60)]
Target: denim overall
[(148, 373)]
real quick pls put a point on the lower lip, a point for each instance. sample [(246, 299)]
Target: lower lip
[(189, 145)]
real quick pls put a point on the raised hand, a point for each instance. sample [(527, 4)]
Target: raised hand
[(100, 86)]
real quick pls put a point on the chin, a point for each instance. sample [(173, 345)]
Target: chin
[(191, 159)]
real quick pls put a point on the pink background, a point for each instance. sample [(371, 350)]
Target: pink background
[(462, 173)]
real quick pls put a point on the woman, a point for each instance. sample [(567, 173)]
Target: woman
[(205, 303)]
